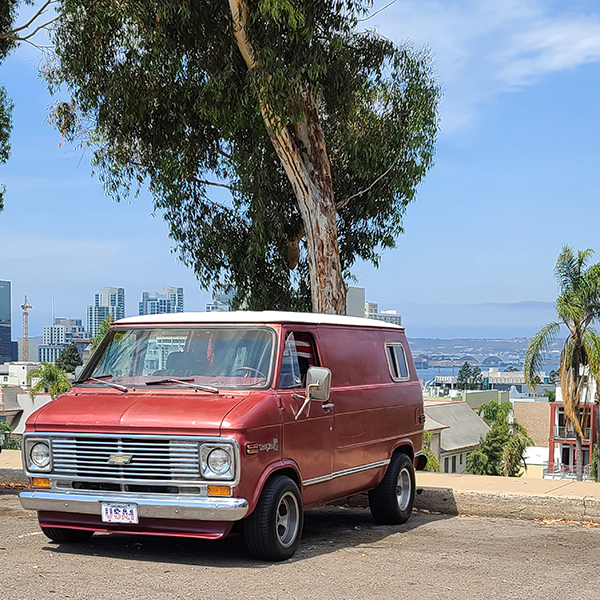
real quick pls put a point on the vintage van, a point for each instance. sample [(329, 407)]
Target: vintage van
[(186, 424)]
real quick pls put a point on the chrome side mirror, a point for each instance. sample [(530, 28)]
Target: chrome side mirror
[(318, 387)]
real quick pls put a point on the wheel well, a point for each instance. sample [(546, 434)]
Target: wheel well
[(288, 472), (406, 449)]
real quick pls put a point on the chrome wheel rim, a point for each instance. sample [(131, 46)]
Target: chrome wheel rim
[(287, 519), (403, 489)]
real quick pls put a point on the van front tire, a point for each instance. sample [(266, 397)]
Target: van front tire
[(273, 530), (60, 534), (392, 500)]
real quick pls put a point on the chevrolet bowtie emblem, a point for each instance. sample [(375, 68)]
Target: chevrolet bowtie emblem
[(120, 459)]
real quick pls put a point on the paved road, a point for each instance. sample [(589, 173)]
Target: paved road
[(344, 555)]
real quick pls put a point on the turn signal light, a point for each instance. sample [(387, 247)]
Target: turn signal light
[(42, 482), (219, 490)]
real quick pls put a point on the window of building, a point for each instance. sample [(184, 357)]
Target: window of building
[(397, 361), (454, 464), (460, 459), (446, 465)]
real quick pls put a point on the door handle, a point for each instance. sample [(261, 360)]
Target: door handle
[(328, 405)]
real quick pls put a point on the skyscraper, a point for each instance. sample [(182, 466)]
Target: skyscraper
[(108, 301), (5, 325), (168, 300)]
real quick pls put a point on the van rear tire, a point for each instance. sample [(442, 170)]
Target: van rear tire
[(273, 530), (392, 500), (60, 534)]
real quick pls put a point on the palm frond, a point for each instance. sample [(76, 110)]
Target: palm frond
[(534, 357)]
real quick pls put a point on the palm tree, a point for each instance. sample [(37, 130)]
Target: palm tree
[(51, 378), (577, 307)]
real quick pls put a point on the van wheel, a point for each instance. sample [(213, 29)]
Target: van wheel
[(273, 530), (392, 500), (60, 534)]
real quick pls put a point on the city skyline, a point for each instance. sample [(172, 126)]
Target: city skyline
[(516, 168)]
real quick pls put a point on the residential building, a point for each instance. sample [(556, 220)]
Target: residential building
[(108, 301), (456, 430), (388, 316), (5, 322), (562, 458), (168, 300), (58, 336)]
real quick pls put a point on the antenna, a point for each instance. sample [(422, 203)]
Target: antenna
[(25, 306)]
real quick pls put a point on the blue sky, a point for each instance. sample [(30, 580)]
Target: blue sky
[(516, 177)]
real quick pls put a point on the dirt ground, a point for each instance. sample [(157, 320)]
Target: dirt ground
[(343, 555)]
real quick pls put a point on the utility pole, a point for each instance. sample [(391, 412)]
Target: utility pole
[(25, 306)]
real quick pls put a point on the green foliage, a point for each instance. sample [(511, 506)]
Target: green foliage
[(470, 378), (511, 369), (162, 95), (594, 463), (102, 331), (50, 378), (69, 359), (553, 377), (10, 442), (577, 307), (502, 450), (493, 412), (550, 394), (486, 459), (433, 464)]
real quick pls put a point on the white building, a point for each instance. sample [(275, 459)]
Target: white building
[(168, 300)]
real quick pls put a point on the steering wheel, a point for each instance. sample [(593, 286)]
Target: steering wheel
[(249, 370)]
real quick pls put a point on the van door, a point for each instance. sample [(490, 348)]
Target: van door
[(309, 439)]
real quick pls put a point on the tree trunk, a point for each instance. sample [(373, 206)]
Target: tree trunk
[(303, 155), (578, 458)]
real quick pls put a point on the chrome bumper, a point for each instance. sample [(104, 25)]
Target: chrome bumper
[(149, 506)]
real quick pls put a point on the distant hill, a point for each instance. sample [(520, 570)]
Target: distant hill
[(478, 321)]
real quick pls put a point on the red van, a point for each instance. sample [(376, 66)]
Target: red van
[(184, 424)]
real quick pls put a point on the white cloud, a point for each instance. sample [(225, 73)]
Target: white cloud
[(484, 48)]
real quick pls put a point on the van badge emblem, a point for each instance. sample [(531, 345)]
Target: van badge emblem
[(274, 445), (119, 459)]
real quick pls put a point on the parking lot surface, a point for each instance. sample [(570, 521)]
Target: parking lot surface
[(343, 555)]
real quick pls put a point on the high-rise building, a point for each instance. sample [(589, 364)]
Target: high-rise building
[(221, 302), (5, 323), (168, 300), (108, 301), (175, 295)]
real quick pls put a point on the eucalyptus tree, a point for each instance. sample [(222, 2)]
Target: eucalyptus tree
[(577, 308), (280, 140)]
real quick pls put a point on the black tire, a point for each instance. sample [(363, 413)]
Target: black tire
[(273, 530), (392, 500), (59, 534)]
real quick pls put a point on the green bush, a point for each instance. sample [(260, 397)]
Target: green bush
[(11, 442)]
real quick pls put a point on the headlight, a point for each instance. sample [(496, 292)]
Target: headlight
[(39, 453), (217, 462)]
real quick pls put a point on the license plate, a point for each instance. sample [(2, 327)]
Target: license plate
[(119, 513)]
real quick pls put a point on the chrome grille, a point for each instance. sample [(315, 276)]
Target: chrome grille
[(157, 459)]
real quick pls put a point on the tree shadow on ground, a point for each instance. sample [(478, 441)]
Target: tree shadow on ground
[(326, 529)]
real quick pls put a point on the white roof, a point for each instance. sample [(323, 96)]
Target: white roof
[(243, 316)]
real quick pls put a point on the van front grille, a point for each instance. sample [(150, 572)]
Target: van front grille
[(128, 459)]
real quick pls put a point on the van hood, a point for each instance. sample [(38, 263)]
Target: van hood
[(103, 410)]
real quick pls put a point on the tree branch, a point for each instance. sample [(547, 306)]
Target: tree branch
[(12, 34), (378, 11), (345, 202)]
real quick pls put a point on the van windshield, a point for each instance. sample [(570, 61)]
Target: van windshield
[(222, 357)]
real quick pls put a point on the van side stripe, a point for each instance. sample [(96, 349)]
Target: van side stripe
[(323, 478)]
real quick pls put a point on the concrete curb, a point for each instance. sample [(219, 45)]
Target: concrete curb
[(12, 477), (500, 504)]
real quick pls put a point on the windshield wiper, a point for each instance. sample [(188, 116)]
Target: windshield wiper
[(122, 388), (186, 382)]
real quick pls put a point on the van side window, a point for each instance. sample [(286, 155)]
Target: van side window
[(397, 361), (298, 355)]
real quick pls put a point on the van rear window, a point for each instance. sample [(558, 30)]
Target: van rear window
[(397, 361)]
